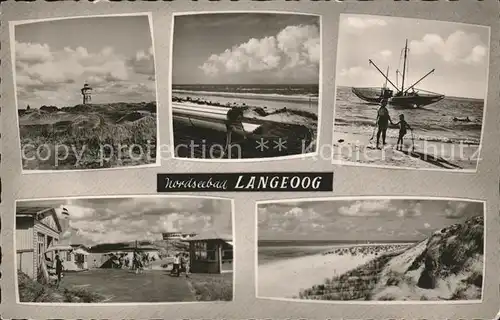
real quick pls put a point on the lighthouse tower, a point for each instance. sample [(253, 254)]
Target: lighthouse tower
[(86, 94)]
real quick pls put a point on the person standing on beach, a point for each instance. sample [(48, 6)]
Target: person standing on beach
[(383, 119), (234, 124), (59, 270)]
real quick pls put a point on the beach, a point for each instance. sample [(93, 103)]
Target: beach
[(306, 271), (355, 147), (437, 139)]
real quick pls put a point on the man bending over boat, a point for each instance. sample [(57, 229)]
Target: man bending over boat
[(383, 119), (234, 124)]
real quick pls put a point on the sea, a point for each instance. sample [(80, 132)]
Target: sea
[(431, 123), (275, 250), (302, 97)]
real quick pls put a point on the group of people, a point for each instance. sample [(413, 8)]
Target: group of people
[(181, 264), (382, 122)]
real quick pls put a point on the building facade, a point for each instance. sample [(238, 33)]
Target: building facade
[(177, 236), (37, 228)]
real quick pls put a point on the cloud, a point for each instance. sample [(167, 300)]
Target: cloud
[(126, 219), (363, 23), (413, 209), (385, 54), (426, 225), (43, 74), (143, 62), (293, 48), (458, 47), (455, 209), (365, 208)]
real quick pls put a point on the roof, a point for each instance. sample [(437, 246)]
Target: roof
[(38, 213), (211, 235), (59, 248)]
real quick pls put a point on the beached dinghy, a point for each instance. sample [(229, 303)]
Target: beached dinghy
[(402, 97), (196, 123)]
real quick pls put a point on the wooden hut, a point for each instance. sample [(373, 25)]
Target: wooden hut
[(37, 228), (210, 252)]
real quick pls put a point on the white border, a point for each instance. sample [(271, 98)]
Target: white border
[(358, 164), (119, 304), (320, 87), (13, 24), (371, 302)]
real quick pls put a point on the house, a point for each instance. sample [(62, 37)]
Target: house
[(37, 228), (211, 252)]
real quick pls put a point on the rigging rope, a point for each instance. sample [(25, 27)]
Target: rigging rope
[(408, 65)]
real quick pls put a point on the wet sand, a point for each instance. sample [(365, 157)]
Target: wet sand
[(357, 148)]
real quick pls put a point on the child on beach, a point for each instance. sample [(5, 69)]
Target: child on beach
[(403, 125)]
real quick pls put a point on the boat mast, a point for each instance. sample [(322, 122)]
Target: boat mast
[(404, 67), (413, 85), (382, 73), (386, 77)]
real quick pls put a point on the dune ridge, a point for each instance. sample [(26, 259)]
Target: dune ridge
[(446, 266)]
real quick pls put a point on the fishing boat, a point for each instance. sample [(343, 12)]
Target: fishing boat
[(401, 96), (374, 95)]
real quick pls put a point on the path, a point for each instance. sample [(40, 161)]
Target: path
[(126, 286)]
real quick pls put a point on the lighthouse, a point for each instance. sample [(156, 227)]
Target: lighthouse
[(86, 94)]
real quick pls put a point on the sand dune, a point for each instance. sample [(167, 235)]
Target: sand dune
[(446, 266)]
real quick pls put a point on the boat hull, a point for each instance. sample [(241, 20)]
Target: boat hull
[(371, 95), (374, 95), (206, 125), (412, 102)]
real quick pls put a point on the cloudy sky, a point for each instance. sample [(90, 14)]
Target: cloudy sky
[(349, 220), (246, 48), (93, 221), (113, 55), (458, 52)]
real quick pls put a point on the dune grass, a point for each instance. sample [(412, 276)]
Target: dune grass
[(212, 287), (89, 139), (32, 291), (356, 284)]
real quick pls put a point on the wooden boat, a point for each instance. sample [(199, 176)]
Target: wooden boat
[(403, 97), (203, 123)]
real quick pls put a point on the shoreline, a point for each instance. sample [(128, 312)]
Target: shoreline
[(357, 148)]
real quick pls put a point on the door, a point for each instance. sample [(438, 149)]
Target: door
[(41, 247)]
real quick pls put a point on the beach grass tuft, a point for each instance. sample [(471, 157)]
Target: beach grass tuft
[(32, 291), (212, 287)]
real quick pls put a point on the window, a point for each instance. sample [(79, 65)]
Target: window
[(68, 256), (202, 252)]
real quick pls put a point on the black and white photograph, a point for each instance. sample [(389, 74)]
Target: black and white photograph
[(85, 92), (410, 93), (124, 250), (245, 85), (371, 249)]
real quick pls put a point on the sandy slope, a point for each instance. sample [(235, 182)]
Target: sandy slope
[(286, 278)]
